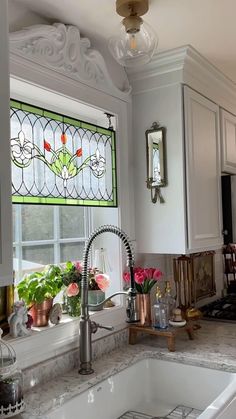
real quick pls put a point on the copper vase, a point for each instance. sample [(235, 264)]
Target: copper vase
[(40, 312), (144, 305)]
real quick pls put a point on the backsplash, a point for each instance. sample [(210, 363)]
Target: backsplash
[(165, 264), (44, 371)]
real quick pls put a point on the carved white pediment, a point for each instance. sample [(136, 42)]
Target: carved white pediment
[(60, 47)]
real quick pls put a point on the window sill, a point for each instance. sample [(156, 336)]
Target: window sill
[(53, 340)]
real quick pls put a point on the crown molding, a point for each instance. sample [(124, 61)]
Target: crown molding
[(185, 65), (60, 48)]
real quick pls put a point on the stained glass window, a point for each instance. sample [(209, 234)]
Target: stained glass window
[(60, 160)]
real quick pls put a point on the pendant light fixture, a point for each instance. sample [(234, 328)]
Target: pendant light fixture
[(136, 41)]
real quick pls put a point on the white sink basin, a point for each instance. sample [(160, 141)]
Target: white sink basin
[(153, 387)]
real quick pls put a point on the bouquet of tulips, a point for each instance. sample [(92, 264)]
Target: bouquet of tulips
[(145, 279)]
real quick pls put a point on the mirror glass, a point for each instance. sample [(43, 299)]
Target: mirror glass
[(155, 156)]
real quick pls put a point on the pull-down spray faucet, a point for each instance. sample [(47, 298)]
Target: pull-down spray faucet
[(87, 327)]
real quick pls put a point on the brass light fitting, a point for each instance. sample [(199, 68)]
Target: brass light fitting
[(136, 41), (131, 10)]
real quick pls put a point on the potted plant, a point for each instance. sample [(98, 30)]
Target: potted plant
[(71, 278), (38, 290), (145, 279), (98, 284)]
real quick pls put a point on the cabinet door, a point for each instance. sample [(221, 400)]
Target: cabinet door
[(5, 162), (228, 138), (202, 172)]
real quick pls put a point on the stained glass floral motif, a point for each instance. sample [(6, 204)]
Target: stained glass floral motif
[(60, 160)]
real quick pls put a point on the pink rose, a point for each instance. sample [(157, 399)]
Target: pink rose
[(103, 281), (157, 274), (72, 290), (78, 266), (126, 276)]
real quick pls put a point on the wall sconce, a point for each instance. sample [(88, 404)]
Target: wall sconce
[(156, 166)]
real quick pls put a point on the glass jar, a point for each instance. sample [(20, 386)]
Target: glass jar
[(11, 393), (160, 316), (74, 306), (11, 382)]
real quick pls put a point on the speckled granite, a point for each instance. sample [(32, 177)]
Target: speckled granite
[(214, 347)]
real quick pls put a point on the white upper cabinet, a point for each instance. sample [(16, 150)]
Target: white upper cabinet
[(172, 91), (202, 142), (228, 138), (6, 276)]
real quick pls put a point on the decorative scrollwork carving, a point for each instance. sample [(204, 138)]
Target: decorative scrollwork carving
[(61, 48)]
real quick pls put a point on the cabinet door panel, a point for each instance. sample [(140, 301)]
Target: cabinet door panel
[(228, 137), (5, 162), (202, 172)]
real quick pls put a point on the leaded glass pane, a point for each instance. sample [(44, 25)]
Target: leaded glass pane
[(72, 222), (60, 160), (71, 251)]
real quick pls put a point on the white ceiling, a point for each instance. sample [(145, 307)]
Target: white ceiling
[(208, 25)]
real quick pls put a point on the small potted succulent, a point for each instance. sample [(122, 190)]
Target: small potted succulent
[(38, 290)]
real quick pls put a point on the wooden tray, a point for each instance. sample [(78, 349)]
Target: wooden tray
[(170, 333)]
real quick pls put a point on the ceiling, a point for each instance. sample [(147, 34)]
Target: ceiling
[(208, 25)]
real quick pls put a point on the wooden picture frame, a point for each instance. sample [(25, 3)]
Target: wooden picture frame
[(6, 304), (203, 274)]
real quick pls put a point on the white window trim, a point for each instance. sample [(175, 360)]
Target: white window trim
[(46, 87)]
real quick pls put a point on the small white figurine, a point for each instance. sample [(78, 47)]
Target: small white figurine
[(18, 319)]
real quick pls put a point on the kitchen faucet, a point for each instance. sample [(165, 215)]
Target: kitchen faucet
[(87, 327)]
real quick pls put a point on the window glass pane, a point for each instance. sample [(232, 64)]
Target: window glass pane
[(71, 251), (42, 255), (72, 222), (37, 222)]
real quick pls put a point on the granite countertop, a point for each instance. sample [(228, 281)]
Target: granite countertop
[(214, 347)]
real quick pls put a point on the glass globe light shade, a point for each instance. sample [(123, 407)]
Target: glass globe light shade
[(133, 48)]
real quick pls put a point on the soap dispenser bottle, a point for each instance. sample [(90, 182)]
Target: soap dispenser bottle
[(160, 312), (169, 300)]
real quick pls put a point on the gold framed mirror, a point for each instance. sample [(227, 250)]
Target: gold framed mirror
[(156, 160)]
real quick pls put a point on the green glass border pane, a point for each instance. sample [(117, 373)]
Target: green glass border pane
[(78, 124)]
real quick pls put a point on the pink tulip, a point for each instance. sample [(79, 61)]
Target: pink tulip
[(72, 290), (149, 272), (157, 274), (103, 281), (139, 277), (138, 270), (126, 276)]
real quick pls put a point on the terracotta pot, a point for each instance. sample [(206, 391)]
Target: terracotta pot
[(144, 306), (40, 312)]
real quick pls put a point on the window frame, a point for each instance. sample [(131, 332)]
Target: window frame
[(46, 86), (56, 241)]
